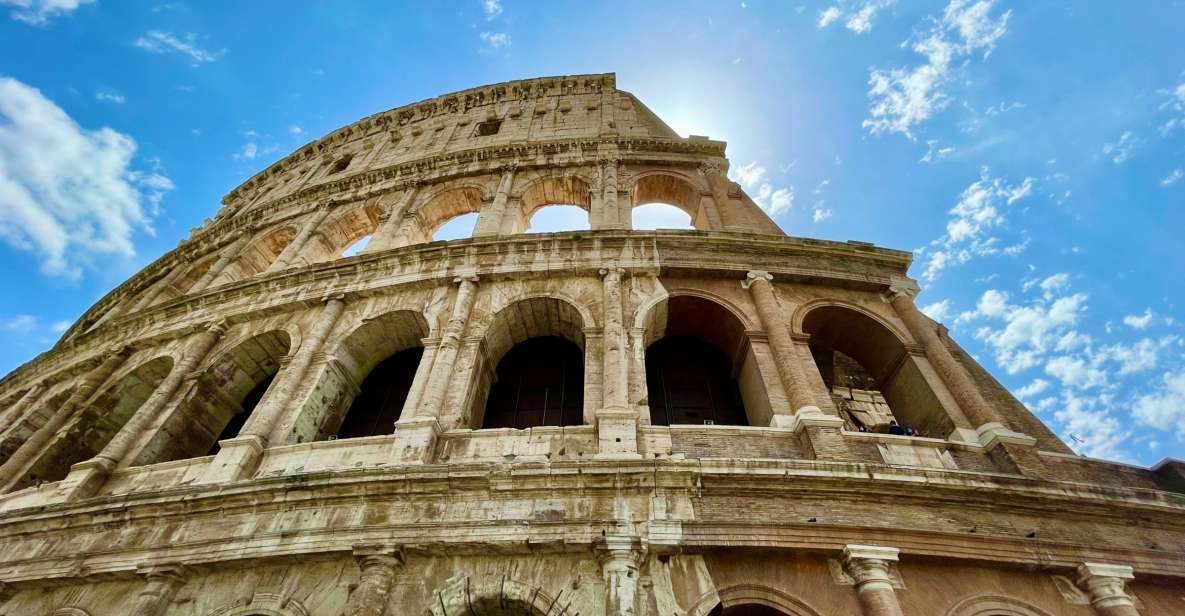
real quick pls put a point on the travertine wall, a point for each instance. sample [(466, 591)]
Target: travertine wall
[(109, 505)]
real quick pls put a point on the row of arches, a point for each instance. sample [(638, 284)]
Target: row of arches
[(661, 200), (700, 366)]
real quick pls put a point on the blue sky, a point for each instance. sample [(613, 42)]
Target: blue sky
[(1032, 154)]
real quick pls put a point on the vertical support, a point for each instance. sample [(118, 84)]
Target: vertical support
[(229, 255), (239, 457), (155, 290), (760, 286), (869, 566), (489, 221), (378, 565), (713, 172), (294, 248), (415, 436), (17, 465), (87, 477), (610, 215), (163, 582), (621, 557), (385, 235), (15, 412), (617, 423), (1104, 584)]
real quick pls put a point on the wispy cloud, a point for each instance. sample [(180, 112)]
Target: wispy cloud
[(494, 41), (68, 194), (1122, 149), (109, 97), (18, 323), (1171, 178), (979, 211), (903, 98), (160, 42), (754, 179), (859, 15), (492, 8), (1139, 321), (39, 12)]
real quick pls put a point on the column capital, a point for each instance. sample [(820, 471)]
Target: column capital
[(869, 564), (620, 550), (378, 555), (899, 287), (709, 167), (612, 270), (466, 278), (755, 276), (1105, 584), (165, 572), (219, 327)]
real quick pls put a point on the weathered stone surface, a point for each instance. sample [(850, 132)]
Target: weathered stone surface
[(119, 498)]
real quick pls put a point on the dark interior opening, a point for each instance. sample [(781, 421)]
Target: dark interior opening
[(341, 164), (383, 394), (691, 382), (540, 382), (489, 127), (239, 419)]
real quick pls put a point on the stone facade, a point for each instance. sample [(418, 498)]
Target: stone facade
[(112, 500)]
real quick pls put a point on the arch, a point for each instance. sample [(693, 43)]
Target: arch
[(346, 389), (535, 316), (102, 417), (438, 208), (219, 401), (550, 190), (751, 594), (262, 604), (172, 289), (258, 255), (498, 597), (994, 605), (673, 189), (339, 232), (873, 379)]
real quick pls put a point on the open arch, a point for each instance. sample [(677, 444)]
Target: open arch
[(563, 197), (652, 216), (370, 383), (341, 232), (440, 208), (536, 328), (992, 605), (178, 287), (877, 385), (220, 400), (499, 597), (700, 367), (674, 190), (750, 600), (86, 435), (258, 256)]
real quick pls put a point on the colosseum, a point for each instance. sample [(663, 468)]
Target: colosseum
[(720, 420)]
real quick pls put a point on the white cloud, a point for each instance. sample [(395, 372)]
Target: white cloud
[(1032, 389), (1075, 372), (1025, 333), (1092, 429), (1122, 149), (58, 327), (1139, 357), (828, 16), (939, 311), (968, 232), (295, 130), (492, 8), (156, 41), (109, 97), (39, 12), (821, 214), (1172, 177), (903, 98), (933, 154), (1139, 321), (494, 41), (753, 178), (67, 193), (1164, 409), (19, 323)]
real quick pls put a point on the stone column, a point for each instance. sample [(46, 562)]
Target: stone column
[(14, 468), (415, 435), (163, 582), (379, 565), (228, 255), (617, 423), (86, 478), (1104, 584), (384, 236), (620, 557), (719, 185), (239, 457), (611, 214), (294, 248), (17, 410), (869, 567), (760, 286), (155, 290), (489, 221)]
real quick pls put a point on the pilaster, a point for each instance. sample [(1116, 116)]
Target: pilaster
[(620, 557), (163, 582), (378, 565)]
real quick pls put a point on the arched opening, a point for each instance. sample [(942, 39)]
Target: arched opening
[(90, 431), (340, 235), (556, 218), (257, 257), (357, 247), (371, 382), (532, 370), (457, 228), (30, 420), (220, 401), (747, 609), (178, 287), (539, 382), (553, 204), (660, 216), (671, 190), (876, 384), (700, 367)]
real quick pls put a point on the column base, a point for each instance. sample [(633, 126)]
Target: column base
[(415, 440), (237, 459), (617, 435), (85, 479)]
